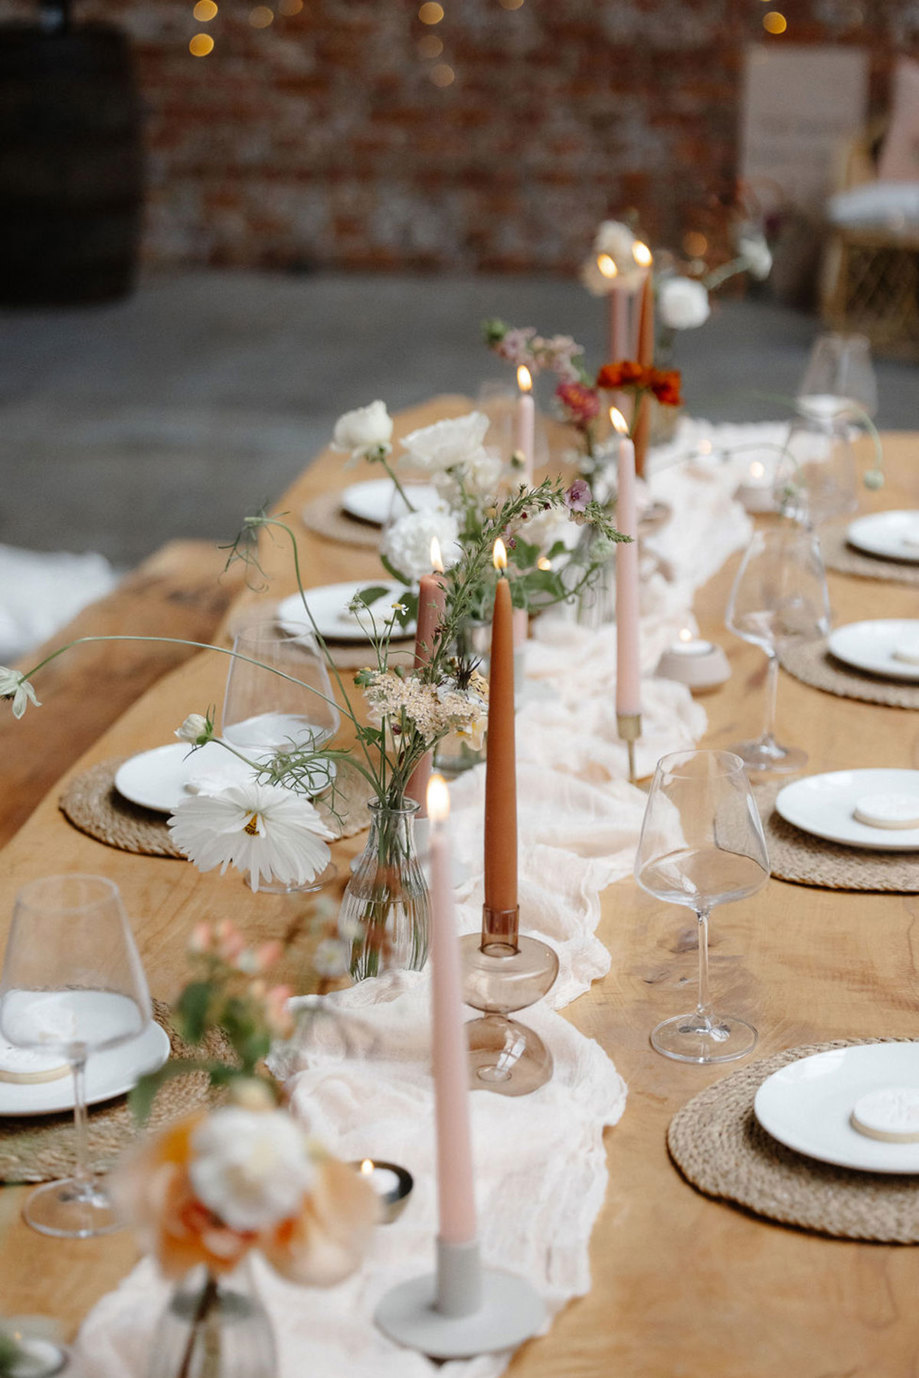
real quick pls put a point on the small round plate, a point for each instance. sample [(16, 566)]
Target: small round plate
[(807, 1105), (376, 500), (824, 805), (870, 646), (109, 1073), (162, 778), (891, 535), (329, 607)]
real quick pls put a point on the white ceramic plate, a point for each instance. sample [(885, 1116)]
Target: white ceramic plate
[(824, 805), (376, 500), (329, 607), (109, 1073), (807, 1104), (160, 779), (893, 535), (870, 646)]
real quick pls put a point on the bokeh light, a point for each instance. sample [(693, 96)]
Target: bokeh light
[(290, 6), (204, 11), (261, 17), (430, 12), (510, 4), (201, 45), (430, 46), (773, 22), (695, 244), (443, 74)]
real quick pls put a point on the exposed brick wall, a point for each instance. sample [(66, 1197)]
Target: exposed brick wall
[(322, 140)]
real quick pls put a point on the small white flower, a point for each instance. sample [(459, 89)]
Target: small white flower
[(266, 830), (546, 529), (447, 444), (15, 686), (407, 543), (364, 433), (251, 1168), (682, 303), (616, 239), (196, 730), (331, 957), (752, 247)]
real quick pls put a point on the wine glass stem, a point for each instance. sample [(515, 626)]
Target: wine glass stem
[(703, 1004), (772, 682), (81, 1171)]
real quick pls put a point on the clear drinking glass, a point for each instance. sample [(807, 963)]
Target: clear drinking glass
[(72, 985), (779, 594), (701, 845), (816, 475), (839, 380)]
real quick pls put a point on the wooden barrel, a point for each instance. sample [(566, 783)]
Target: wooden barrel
[(71, 165)]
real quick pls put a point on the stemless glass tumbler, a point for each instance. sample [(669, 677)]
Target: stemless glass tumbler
[(72, 985), (702, 845)]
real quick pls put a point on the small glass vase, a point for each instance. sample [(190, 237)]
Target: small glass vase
[(385, 911), (214, 1327), (595, 604), (453, 755)]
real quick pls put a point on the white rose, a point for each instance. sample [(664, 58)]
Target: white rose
[(251, 1168), (364, 432), (682, 303), (407, 543), (447, 443), (752, 247)]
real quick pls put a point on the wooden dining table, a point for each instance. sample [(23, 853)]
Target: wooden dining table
[(683, 1286)]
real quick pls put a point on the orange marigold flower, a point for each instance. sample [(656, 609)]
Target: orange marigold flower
[(665, 384), (625, 373)]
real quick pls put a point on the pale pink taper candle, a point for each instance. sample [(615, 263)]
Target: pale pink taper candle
[(455, 1190), (525, 443), (628, 692), (432, 603)]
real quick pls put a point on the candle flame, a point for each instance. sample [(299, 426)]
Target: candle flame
[(437, 563), (438, 799), (500, 554), (757, 470), (620, 425), (607, 266), (524, 379), (705, 447), (685, 634), (642, 254), (543, 562), (367, 1167)]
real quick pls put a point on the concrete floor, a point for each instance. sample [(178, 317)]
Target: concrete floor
[(172, 413)]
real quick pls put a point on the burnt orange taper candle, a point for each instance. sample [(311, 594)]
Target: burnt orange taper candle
[(501, 764)]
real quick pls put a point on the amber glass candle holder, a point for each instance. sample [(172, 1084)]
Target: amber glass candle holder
[(504, 971)]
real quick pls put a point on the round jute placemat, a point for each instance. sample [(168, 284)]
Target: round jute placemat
[(722, 1150), (811, 663), (807, 860), (92, 803), (845, 559), (325, 517), (37, 1148)]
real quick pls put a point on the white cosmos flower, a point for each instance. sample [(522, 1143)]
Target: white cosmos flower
[(682, 303), (196, 730), (266, 830), (407, 543), (447, 444), (250, 1167), (364, 433), (15, 686)]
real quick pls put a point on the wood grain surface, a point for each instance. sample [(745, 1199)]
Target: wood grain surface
[(683, 1287)]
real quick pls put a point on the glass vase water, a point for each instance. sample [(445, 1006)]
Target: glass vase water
[(385, 912)]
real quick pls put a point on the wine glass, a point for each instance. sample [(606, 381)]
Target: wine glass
[(72, 985), (779, 595), (702, 844), (839, 380), (815, 478)]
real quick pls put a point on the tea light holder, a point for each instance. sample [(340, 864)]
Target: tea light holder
[(696, 663), (755, 491), (393, 1185)]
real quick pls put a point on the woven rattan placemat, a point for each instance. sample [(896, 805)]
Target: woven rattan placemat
[(811, 662), (721, 1149), (325, 517), (807, 860), (845, 559), (93, 804), (40, 1148)]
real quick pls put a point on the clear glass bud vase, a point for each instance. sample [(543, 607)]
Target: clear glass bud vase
[(214, 1327), (384, 911)]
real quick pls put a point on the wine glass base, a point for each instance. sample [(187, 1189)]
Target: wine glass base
[(71, 1210), (768, 757), (691, 1038), (506, 1057)]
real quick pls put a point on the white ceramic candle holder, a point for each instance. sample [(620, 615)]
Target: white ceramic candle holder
[(461, 1309), (699, 664)]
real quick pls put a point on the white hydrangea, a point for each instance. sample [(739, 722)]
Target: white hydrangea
[(364, 433), (407, 543), (251, 1168), (682, 303)]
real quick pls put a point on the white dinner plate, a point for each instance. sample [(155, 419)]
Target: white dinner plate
[(892, 535), (376, 500), (108, 1073), (825, 805), (871, 645), (329, 607), (807, 1104), (161, 778)]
